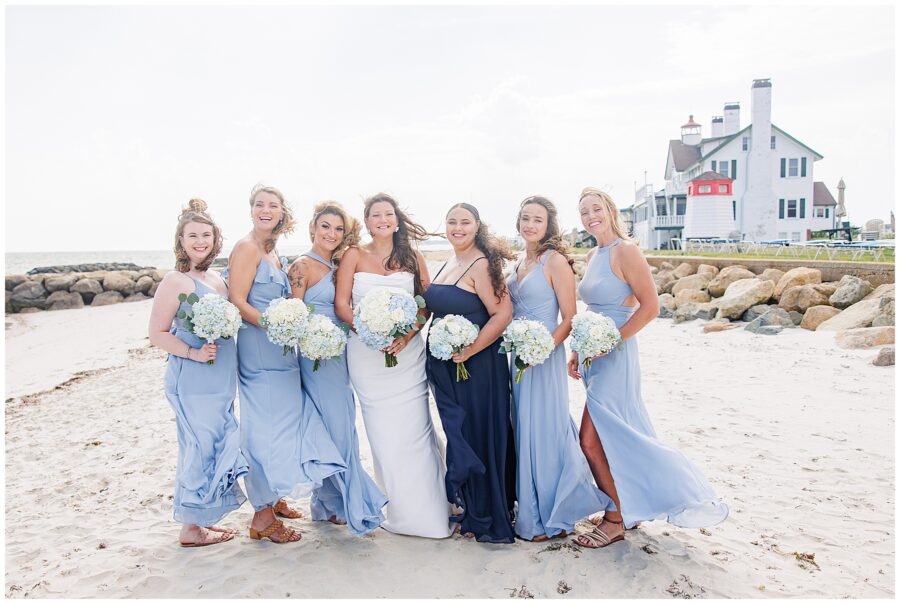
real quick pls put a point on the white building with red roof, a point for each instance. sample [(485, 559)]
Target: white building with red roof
[(772, 196)]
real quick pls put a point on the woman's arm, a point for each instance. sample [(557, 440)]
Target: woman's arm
[(165, 305), (500, 312), (636, 273), (297, 276), (562, 280), (242, 267), (343, 289), (401, 341)]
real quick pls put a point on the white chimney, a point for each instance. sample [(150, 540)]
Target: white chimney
[(759, 207), (732, 119), (718, 127)]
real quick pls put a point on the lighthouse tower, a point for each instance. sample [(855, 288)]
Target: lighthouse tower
[(690, 132)]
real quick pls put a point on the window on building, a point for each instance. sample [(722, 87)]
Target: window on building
[(705, 188), (827, 210), (734, 209), (791, 208), (820, 212), (723, 188), (793, 167), (723, 168), (745, 143), (795, 236), (680, 207), (772, 142), (661, 207)]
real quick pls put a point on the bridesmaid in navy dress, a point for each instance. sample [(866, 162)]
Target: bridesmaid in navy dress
[(351, 497), (284, 440), (646, 478), (202, 395), (475, 413)]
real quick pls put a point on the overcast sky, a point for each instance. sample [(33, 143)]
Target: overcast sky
[(116, 116)]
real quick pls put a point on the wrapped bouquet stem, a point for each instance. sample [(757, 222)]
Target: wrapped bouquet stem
[(448, 336), (210, 317), (593, 334), (529, 341)]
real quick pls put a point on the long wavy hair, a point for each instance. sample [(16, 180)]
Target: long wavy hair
[(351, 229), (615, 218), (496, 250), (196, 212), (403, 256), (552, 239), (283, 226)]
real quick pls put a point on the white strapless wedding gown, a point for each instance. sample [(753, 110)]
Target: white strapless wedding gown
[(409, 463)]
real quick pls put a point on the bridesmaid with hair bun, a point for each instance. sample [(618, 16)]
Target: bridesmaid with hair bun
[(202, 395)]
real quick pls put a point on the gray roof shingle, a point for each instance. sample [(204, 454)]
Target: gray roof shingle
[(821, 195), (683, 155)]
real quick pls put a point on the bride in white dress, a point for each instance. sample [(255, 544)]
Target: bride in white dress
[(409, 464)]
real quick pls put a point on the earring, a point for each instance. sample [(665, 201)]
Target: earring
[(397, 229)]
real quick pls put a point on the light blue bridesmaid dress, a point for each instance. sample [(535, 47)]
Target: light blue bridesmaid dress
[(351, 496), (554, 485), (653, 480), (283, 438), (209, 454)]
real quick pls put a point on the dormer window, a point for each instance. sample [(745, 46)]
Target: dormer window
[(723, 188), (705, 189)]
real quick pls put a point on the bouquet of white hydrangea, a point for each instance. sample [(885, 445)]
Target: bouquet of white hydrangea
[(210, 317), (321, 339), (285, 321), (529, 341), (593, 334), (450, 335), (385, 313)]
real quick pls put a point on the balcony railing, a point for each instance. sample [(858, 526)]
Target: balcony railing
[(668, 221), (675, 188)]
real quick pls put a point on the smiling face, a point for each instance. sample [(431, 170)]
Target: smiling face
[(197, 239), (533, 221), (595, 216), (381, 220), (461, 227), (328, 232), (266, 210)]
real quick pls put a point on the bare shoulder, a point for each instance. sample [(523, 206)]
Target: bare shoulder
[(246, 249), (351, 255), (298, 267), (630, 252), (176, 282), (555, 260)]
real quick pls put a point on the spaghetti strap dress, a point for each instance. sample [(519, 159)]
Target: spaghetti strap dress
[(352, 495), (209, 453), (654, 480), (554, 485), (283, 439), (475, 416)]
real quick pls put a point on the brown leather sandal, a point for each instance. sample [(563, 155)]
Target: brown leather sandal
[(221, 538), (287, 533), (285, 511)]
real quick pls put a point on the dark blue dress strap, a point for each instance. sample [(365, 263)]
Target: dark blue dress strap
[(470, 266), (440, 270)]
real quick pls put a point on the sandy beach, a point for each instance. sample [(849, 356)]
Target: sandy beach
[(796, 435)]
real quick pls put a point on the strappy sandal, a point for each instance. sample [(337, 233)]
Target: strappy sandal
[(287, 533), (285, 511), (596, 520), (597, 539), (222, 538)]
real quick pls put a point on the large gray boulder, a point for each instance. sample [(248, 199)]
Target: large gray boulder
[(29, 294), (119, 282), (885, 314), (887, 289), (666, 306), (801, 297), (61, 300), (685, 313), (143, 284), (136, 297), (860, 314), (770, 322), (13, 280), (797, 276), (816, 315), (772, 274), (88, 288), (743, 294), (683, 270), (695, 282), (755, 311), (865, 337), (706, 310), (152, 292), (62, 282), (726, 277), (885, 357), (707, 269), (690, 295), (850, 290), (111, 297)]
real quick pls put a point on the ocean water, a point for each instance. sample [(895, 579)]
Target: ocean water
[(18, 263)]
